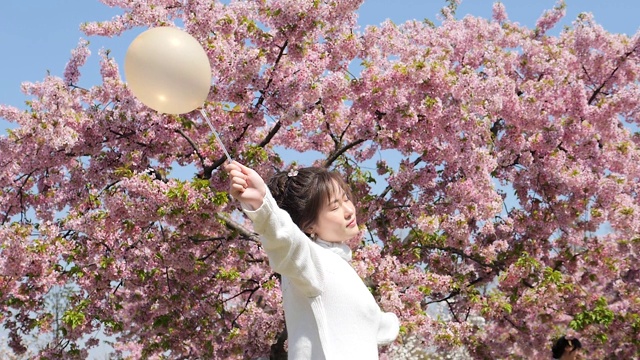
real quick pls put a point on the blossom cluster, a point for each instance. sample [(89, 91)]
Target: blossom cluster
[(504, 212)]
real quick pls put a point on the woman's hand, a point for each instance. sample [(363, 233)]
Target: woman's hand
[(245, 185)]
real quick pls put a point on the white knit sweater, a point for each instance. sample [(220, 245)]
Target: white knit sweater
[(330, 313)]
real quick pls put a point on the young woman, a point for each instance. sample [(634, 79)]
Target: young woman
[(329, 312)]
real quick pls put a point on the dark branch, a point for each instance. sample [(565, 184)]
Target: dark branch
[(207, 170), (341, 151)]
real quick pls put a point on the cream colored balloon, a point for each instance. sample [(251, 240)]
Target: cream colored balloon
[(168, 70)]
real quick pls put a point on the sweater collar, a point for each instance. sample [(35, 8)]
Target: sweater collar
[(341, 249)]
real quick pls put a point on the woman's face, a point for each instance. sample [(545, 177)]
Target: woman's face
[(570, 353), (336, 221)]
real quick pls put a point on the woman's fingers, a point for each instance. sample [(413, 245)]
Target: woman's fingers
[(241, 167), (239, 183), (245, 185), (234, 165), (238, 178), (239, 188)]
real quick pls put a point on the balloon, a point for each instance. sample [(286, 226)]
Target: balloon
[(168, 70)]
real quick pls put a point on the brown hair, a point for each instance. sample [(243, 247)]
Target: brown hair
[(303, 192)]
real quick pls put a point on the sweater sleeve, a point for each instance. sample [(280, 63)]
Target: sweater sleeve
[(388, 328), (290, 251)]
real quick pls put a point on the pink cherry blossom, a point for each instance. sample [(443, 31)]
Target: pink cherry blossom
[(496, 170)]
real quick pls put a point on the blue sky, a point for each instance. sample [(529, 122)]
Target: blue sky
[(38, 35)]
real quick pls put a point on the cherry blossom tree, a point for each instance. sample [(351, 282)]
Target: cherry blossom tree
[(495, 166)]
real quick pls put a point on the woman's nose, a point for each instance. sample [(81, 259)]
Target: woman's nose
[(349, 209)]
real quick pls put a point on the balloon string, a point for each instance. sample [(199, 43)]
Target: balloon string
[(216, 134)]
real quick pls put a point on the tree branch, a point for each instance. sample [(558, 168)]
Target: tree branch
[(597, 91), (233, 225), (277, 351), (207, 170), (193, 145), (333, 157)]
